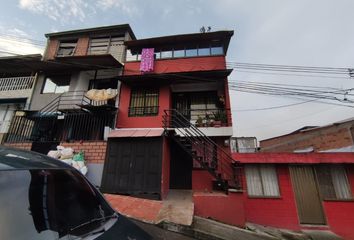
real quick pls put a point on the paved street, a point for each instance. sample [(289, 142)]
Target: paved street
[(161, 234)]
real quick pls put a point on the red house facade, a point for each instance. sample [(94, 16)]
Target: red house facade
[(300, 191), (174, 120)]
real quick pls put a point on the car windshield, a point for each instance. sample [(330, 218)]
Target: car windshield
[(49, 204)]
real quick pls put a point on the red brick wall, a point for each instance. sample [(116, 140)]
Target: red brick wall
[(277, 212), (23, 145), (95, 151), (219, 206), (336, 136), (82, 46), (51, 49)]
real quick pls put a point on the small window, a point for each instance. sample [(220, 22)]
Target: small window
[(56, 84), (216, 49), (67, 48), (131, 57), (333, 182), (262, 181), (178, 53), (165, 53), (191, 52), (204, 50), (144, 102), (99, 45)]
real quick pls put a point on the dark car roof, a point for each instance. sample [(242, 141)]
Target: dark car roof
[(12, 159)]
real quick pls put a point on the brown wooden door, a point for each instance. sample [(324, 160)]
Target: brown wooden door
[(308, 201)]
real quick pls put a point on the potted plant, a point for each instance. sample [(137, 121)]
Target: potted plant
[(220, 118), (199, 122)]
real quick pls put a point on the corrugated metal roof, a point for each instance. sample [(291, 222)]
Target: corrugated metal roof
[(136, 132)]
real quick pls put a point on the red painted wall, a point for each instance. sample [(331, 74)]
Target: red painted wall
[(339, 214), (180, 65), (124, 121), (282, 212), (165, 179), (219, 206), (271, 211), (202, 181)]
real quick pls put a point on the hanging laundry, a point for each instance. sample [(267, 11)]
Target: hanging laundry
[(147, 60)]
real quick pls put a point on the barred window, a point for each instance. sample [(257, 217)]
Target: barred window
[(262, 181), (144, 102), (333, 182)]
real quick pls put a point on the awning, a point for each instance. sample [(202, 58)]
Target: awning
[(294, 158), (136, 132), (177, 77), (34, 63)]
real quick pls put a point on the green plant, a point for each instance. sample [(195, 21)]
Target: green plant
[(199, 121), (220, 116)]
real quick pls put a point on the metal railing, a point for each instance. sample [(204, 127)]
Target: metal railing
[(16, 83), (70, 116), (215, 117), (209, 154)]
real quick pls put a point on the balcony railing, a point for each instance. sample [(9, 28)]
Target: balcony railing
[(16, 83), (208, 117)]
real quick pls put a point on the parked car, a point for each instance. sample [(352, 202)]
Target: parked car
[(43, 198)]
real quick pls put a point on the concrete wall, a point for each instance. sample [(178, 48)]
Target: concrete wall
[(321, 139)]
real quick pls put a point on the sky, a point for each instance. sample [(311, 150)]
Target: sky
[(285, 32)]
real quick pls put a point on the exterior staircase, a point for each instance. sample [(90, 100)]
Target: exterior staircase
[(208, 154)]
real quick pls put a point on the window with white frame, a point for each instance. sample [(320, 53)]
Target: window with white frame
[(262, 180), (333, 182)]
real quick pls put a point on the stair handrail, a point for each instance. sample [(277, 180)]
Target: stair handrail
[(199, 132)]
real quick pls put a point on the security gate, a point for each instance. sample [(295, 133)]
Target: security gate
[(133, 167)]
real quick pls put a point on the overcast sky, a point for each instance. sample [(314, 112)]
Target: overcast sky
[(302, 32)]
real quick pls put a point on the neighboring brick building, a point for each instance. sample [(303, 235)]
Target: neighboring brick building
[(336, 137)]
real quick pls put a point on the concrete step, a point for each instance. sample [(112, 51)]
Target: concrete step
[(219, 230)]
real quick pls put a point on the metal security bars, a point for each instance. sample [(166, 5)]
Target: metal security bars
[(144, 102)]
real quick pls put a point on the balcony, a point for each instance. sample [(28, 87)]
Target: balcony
[(15, 87), (71, 116), (212, 122)]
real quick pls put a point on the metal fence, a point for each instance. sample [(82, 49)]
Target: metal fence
[(68, 127)]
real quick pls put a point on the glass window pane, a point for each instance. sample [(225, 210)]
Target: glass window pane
[(49, 86), (166, 54), (340, 182), (254, 182), (131, 56), (157, 55), (203, 51), (178, 53), (269, 180), (217, 51), (191, 52), (56, 84)]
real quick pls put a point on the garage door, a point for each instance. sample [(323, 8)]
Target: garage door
[(133, 166)]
